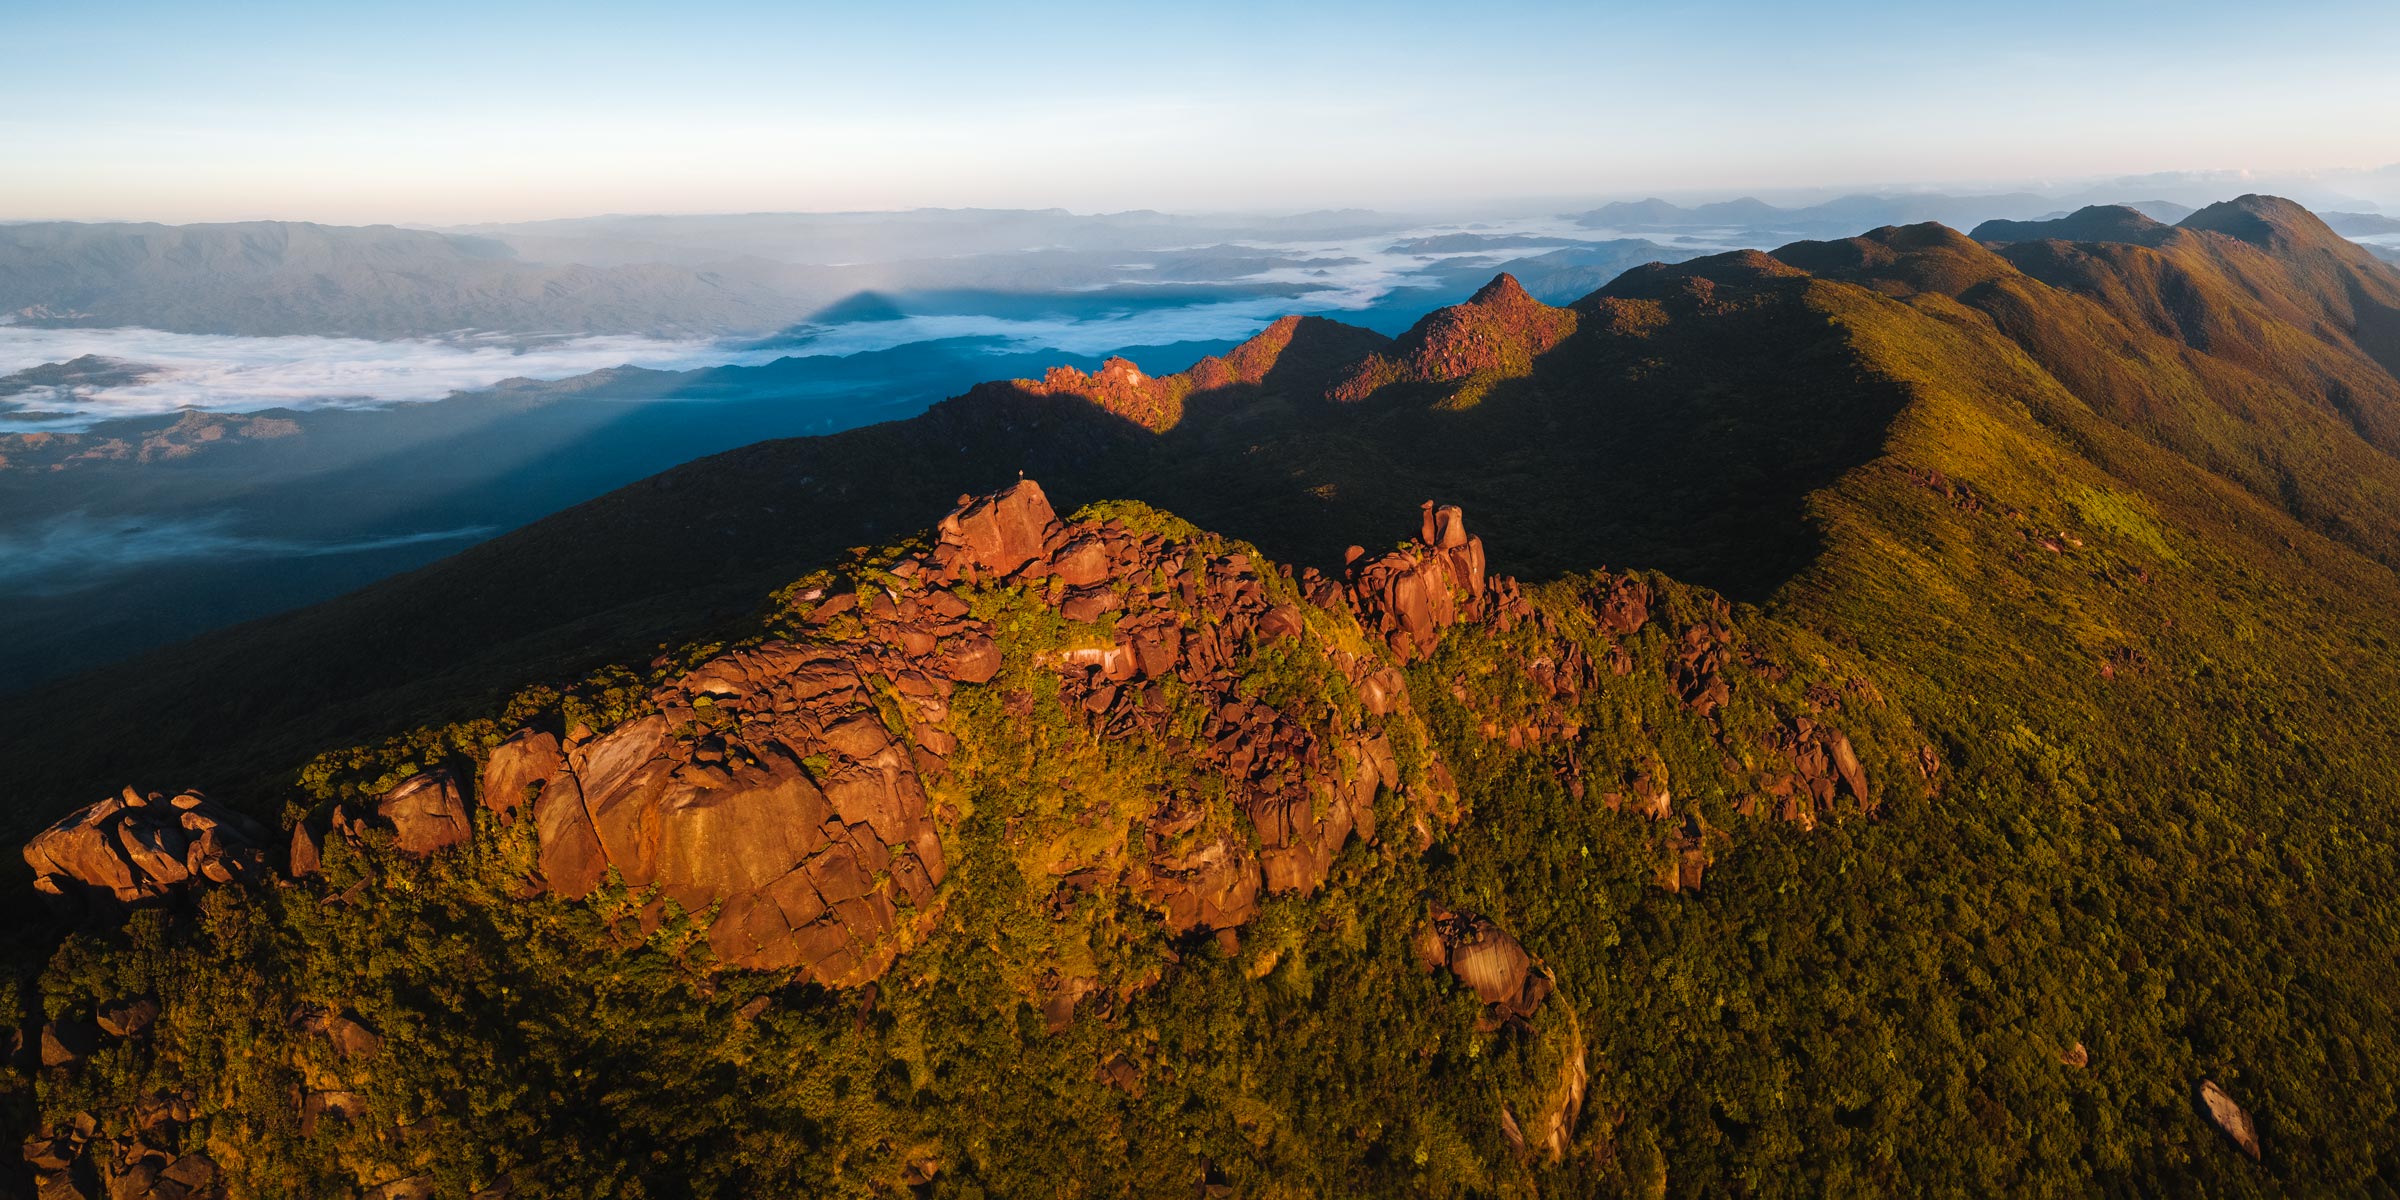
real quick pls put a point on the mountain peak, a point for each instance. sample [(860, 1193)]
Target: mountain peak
[(2092, 223), (1498, 332), (2268, 222), (1502, 290), (1308, 349), (1310, 346), (1899, 259)]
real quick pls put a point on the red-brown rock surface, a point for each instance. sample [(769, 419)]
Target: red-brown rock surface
[(2230, 1117), (426, 812), (1410, 595), (1156, 402), (1486, 959), (785, 783), (136, 847)]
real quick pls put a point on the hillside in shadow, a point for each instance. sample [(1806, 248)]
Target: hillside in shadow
[(1676, 432)]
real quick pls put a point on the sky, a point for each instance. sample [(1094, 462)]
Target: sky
[(438, 112)]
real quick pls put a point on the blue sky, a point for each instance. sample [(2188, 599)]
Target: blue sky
[(442, 112)]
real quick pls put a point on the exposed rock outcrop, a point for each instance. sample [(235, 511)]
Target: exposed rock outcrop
[(147, 1154), (426, 812), (784, 785), (1486, 959), (1410, 595), (1513, 985), (512, 775), (2230, 1117), (135, 847), (785, 791)]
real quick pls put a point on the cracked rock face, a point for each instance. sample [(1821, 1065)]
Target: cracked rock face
[(768, 783), (1409, 596), (785, 783)]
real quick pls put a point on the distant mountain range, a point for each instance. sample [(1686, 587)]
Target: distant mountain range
[(1848, 213), (2350, 224), (910, 235), (673, 277), (754, 275), (273, 277)]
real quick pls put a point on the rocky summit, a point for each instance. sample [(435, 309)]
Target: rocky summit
[(803, 802)]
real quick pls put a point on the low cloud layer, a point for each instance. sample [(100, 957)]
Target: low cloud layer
[(245, 374), (74, 551)]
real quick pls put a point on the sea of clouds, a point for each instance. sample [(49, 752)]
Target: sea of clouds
[(247, 374), (223, 373)]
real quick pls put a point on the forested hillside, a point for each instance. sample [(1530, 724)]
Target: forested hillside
[(1943, 741)]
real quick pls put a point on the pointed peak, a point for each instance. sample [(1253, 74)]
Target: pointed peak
[(1502, 290), (1498, 332), (1310, 346)]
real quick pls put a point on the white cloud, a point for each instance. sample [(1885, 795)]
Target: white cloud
[(244, 374), (72, 551)]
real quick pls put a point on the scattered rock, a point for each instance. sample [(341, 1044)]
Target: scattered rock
[(514, 769), (195, 1173), (426, 812), (307, 853), (127, 1018), (349, 1038), (52, 1152), (338, 1105), (414, 1187), (2229, 1117), (1486, 959), (65, 1043)]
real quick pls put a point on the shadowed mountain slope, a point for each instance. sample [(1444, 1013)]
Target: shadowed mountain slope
[(2097, 223), (1566, 460), (1680, 419)]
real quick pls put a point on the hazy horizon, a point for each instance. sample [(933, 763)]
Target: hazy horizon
[(443, 114), (2371, 188)]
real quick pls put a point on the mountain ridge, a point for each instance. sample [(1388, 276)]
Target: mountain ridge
[(2094, 539)]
